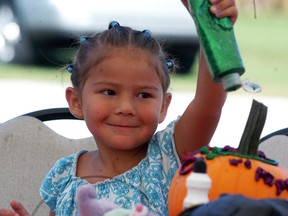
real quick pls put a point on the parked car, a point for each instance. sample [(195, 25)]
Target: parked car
[(30, 29)]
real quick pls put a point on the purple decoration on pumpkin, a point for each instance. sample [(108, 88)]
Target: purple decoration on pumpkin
[(280, 185), (248, 164), (261, 154), (235, 162), (286, 184), (229, 149), (267, 177), (259, 173), (187, 162)]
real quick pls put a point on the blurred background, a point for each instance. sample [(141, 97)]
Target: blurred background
[(38, 38)]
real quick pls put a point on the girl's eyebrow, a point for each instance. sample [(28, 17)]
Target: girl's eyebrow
[(105, 83), (152, 87)]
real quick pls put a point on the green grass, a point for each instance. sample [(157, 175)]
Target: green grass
[(31, 72), (262, 42)]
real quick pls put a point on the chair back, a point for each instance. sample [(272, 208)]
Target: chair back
[(28, 150), (275, 146)]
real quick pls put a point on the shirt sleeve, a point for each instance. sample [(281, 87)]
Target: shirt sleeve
[(167, 152), (56, 180)]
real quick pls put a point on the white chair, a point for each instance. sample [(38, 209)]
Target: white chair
[(28, 150), (275, 146)]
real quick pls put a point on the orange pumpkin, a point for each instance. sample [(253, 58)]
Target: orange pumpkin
[(231, 173), (244, 170)]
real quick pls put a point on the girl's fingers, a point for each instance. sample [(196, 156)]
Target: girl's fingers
[(223, 4), (221, 8), (18, 208), (224, 8), (232, 13), (7, 212)]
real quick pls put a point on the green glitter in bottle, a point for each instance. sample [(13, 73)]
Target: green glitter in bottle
[(216, 36)]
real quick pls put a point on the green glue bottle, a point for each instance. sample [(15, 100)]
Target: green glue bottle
[(216, 36)]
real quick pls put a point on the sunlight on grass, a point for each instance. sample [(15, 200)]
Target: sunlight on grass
[(33, 72), (263, 44)]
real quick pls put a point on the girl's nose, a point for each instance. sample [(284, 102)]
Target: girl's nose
[(125, 106)]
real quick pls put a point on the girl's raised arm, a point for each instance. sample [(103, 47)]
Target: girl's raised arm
[(199, 121)]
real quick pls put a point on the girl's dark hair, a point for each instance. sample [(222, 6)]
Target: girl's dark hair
[(91, 48)]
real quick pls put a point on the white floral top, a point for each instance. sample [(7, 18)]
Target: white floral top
[(147, 183)]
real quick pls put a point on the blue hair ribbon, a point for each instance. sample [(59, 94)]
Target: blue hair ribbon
[(147, 32), (83, 39), (113, 24), (69, 68), (169, 64)]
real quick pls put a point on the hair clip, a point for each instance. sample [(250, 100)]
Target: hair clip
[(69, 68), (83, 39), (113, 24), (169, 64), (147, 32)]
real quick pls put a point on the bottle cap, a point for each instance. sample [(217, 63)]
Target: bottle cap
[(231, 82), (200, 166), (199, 179)]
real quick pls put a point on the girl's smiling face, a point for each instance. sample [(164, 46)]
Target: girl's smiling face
[(122, 100)]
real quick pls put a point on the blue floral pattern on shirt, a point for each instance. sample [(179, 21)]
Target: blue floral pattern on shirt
[(147, 183)]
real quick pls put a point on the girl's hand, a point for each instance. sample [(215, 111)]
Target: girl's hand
[(18, 210), (221, 8), (7, 212)]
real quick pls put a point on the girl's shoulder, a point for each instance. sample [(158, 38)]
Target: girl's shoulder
[(67, 165), (63, 172), (64, 167), (166, 134)]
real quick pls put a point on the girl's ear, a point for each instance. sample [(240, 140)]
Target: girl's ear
[(165, 105), (74, 102)]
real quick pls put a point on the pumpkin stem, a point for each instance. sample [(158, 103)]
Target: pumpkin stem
[(250, 138)]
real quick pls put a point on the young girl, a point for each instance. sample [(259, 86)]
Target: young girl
[(120, 80)]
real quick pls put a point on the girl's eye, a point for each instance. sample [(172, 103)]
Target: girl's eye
[(109, 92), (145, 95)]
